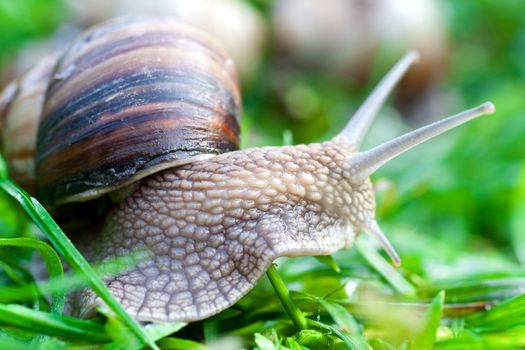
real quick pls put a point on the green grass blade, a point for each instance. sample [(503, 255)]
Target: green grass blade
[(507, 314), (283, 293), (72, 256), (264, 343), (51, 324), (3, 168), (173, 343), (478, 288), (329, 261), (352, 342), (389, 273), (314, 339), (344, 320), (426, 336), (25, 285), (7, 342), (10, 294), (292, 344), (53, 264), (512, 338), (155, 332)]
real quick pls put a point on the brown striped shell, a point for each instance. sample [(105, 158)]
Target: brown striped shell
[(129, 98)]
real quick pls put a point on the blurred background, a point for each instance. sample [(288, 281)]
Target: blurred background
[(454, 207)]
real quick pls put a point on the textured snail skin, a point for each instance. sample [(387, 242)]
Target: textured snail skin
[(214, 226)]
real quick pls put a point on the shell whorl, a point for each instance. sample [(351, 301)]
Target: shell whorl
[(131, 97)]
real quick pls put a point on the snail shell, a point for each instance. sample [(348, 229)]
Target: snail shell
[(21, 106), (129, 98)]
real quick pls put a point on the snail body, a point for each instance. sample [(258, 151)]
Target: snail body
[(211, 217), (218, 224)]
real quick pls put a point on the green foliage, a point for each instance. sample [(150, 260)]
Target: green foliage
[(21, 21), (53, 264), (51, 323), (426, 335)]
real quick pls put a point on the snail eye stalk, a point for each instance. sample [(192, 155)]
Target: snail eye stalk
[(356, 129), (367, 162)]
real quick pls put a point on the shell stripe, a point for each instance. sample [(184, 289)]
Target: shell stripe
[(131, 51), (100, 49), (119, 151), (137, 90), (115, 72)]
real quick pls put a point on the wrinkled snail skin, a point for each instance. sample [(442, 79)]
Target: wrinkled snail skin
[(214, 226), (146, 112)]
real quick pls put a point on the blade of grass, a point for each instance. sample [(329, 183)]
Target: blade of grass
[(67, 283), (292, 344), (25, 283), (426, 336), (512, 338), (283, 293), (52, 324), (329, 261), (507, 314), (72, 256), (173, 343), (352, 342), (7, 342), (315, 339), (344, 320), (389, 273), (155, 332), (264, 343), (479, 288), (53, 264)]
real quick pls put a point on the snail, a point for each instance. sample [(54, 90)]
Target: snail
[(238, 26), (146, 111)]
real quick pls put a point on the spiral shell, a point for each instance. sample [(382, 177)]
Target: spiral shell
[(129, 98)]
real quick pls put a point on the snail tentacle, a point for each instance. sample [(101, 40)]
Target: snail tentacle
[(357, 128), (373, 229), (366, 163)]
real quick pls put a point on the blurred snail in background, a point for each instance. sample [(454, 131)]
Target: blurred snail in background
[(345, 40), (146, 111), (234, 23), (237, 25)]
